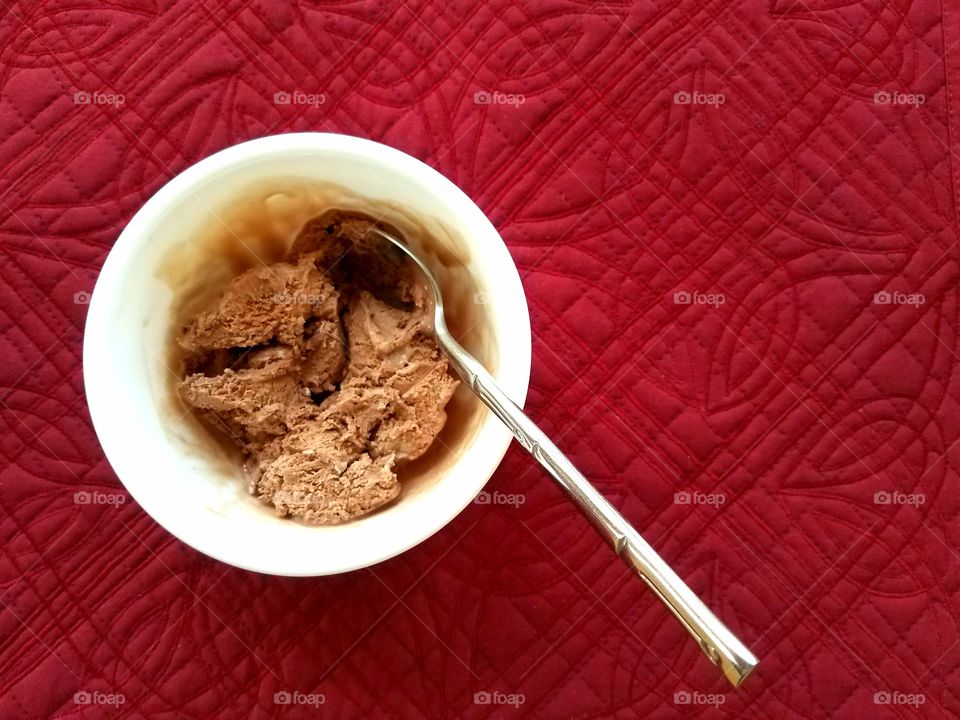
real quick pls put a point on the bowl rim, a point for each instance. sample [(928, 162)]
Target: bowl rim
[(99, 384)]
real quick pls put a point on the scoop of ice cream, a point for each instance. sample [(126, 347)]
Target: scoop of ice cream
[(418, 418), (390, 351), (342, 245), (273, 302), (323, 406), (252, 404), (322, 494)]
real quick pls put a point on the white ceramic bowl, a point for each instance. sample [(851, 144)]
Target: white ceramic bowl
[(187, 491)]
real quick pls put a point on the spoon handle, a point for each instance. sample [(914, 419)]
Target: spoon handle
[(719, 644)]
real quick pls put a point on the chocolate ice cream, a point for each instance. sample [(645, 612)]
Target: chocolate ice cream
[(322, 369)]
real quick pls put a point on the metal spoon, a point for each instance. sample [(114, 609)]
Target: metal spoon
[(719, 644)]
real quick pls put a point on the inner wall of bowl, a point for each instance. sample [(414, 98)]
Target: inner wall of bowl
[(193, 471)]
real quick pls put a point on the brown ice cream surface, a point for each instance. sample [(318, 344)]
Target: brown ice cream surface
[(322, 369)]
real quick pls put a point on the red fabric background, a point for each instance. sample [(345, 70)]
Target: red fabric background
[(799, 398)]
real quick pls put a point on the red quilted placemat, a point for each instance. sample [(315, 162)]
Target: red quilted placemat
[(736, 225)]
